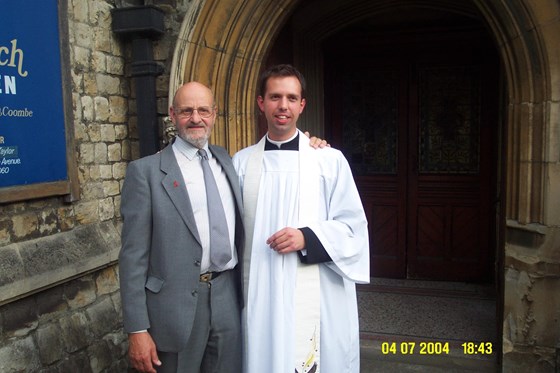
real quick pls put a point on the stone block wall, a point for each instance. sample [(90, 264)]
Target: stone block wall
[(531, 328), (60, 306), (74, 327)]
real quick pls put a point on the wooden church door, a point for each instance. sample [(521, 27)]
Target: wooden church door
[(418, 126)]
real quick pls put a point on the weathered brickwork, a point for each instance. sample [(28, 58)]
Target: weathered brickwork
[(76, 325)]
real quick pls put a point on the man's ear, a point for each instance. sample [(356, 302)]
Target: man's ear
[(172, 114), (260, 102), (302, 105)]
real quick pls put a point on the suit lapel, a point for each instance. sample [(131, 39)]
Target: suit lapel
[(174, 185)]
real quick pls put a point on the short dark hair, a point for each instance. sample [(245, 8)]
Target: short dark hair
[(280, 71)]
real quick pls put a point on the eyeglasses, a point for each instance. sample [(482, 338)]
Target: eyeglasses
[(187, 112)]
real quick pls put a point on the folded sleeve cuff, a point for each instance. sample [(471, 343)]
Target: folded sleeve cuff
[(314, 250)]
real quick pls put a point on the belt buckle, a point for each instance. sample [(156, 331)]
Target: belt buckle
[(206, 277)]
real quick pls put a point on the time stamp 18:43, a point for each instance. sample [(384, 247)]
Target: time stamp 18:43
[(434, 348)]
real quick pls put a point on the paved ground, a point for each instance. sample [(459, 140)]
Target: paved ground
[(398, 318)]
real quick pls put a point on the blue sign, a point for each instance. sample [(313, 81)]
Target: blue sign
[(32, 129)]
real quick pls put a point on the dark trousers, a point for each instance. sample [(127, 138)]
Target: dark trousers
[(214, 345)]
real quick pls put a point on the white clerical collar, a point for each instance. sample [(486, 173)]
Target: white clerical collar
[(188, 149), (279, 143)]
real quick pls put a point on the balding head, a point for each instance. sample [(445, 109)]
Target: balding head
[(193, 89), (196, 98)]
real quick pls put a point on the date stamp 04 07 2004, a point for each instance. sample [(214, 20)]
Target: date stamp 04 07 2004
[(434, 348)]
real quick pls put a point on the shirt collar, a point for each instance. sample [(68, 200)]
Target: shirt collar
[(188, 149)]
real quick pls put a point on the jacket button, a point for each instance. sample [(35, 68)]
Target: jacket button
[(194, 293), (197, 263)]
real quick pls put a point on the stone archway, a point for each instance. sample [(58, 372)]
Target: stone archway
[(223, 43)]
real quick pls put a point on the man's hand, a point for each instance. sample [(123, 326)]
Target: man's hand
[(142, 352), (316, 142), (286, 240)]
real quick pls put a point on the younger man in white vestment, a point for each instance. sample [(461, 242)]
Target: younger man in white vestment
[(307, 243)]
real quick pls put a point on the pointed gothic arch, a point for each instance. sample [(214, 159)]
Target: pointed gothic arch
[(223, 43)]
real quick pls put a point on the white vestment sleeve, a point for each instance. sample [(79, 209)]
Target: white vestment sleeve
[(344, 233)]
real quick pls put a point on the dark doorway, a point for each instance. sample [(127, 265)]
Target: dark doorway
[(413, 106)]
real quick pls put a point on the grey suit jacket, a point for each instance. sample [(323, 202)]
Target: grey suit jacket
[(159, 262)]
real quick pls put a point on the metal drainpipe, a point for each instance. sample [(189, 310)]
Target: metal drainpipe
[(142, 24)]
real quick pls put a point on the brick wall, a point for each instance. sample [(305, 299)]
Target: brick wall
[(60, 309), (74, 327)]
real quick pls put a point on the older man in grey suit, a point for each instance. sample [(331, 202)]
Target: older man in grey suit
[(180, 308)]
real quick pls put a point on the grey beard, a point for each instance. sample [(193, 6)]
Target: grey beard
[(198, 142)]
